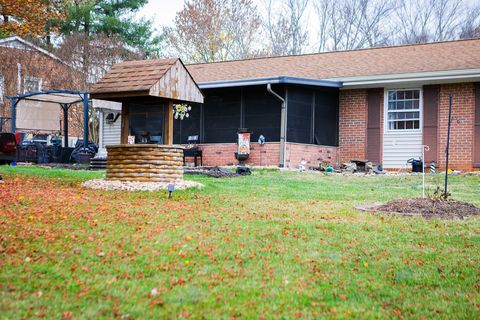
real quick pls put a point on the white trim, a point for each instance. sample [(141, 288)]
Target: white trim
[(2, 87), (386, 130), (401, 78)]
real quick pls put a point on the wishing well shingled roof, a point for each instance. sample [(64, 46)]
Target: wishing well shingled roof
[(133, 75)]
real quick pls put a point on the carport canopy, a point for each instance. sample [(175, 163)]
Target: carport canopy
[(39, 111)]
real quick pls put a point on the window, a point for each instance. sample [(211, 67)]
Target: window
[(145, 122), (403, 109), (31, 84), (2, 86)]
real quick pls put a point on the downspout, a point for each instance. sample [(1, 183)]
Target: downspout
[(283, 125), (19, 78)]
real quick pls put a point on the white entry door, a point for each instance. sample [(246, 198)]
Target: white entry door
[(402, 138)]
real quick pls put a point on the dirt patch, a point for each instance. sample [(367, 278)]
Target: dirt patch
[(444, 209), (215, 172)]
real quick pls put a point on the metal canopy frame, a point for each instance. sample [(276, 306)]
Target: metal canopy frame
[(65, 98)]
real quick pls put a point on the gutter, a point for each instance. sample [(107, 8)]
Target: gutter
[(283, 125), (270, 80), (431, 77)]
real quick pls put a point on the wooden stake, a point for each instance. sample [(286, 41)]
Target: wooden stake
[(169, 124)]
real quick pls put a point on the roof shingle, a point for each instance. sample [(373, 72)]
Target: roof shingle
[(440, 56), (133, 75)]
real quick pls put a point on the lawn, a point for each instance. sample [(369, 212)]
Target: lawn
[(271, 245)]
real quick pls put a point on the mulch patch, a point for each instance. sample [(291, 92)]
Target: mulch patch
[(215, 172), (427, 208)]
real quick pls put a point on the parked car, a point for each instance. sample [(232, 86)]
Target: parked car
[(8, 147)]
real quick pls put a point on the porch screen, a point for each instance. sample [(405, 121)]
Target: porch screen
[(221, 115), (326, 117), (188, 126), (262, 113), (299, 110)]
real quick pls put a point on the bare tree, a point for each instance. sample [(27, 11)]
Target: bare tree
[(323, 10), (93, 56), (244, 24), (286, 30), (215, 30), (351, 24), (447, 16), (422, 21), (413, 21), (470, 28)]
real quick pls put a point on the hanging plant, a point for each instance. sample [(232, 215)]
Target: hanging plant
[(181, 111)]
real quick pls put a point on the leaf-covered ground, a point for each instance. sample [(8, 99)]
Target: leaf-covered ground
[(270, 245)]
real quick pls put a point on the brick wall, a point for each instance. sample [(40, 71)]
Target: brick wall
[(462, 129), (313, 155), (222, 154), (353, 124)]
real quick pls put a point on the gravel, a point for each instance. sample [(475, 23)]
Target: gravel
[(103, 184)]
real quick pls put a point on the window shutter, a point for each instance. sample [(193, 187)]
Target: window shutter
[(374, 136), (430, 121), (476, 156)]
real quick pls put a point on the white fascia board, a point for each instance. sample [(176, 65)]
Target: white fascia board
[(465, 75), (106, 105)]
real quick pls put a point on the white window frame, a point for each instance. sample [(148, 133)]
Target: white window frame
[(29, 78), (2, 88), (387, 130)]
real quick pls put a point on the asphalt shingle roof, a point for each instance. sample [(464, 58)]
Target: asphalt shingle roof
[(440, 56)]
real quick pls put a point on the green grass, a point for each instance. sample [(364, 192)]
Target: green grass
[(273, 245)]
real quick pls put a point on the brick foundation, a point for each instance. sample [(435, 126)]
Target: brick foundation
[(223, 154), (312, 155)]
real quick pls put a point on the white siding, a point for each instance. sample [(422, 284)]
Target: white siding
[(111, 132), (399, 147)]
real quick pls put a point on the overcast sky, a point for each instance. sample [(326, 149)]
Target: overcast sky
[(163, 11)]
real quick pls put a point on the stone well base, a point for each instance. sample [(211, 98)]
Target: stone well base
[(145, 162)]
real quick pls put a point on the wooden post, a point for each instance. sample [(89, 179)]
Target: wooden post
[(168, 139), (124, 126)]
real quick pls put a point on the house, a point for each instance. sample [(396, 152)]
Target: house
[(25, 67), (381, 104)]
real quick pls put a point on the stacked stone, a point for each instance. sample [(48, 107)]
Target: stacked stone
[(145, 163)]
